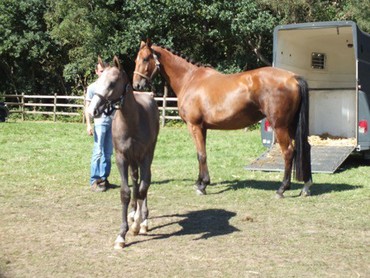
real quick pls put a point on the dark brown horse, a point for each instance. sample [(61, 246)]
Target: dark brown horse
[(208, 99), (135, 130)]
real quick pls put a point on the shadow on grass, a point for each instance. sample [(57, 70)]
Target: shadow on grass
[(204, 224), (316, 188), (168, 181), (352, 162)]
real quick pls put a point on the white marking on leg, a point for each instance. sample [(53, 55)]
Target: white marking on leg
[(131, 216), (306, 189), (137, 219), (144, 227)]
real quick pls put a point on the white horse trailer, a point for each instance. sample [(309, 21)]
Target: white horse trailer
[(334, 58)]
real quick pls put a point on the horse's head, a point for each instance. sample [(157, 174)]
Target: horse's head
[(111, 88), (147, 65)]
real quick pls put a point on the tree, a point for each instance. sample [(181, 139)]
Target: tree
[(358, 11), (82, 29), (28, 55), (52, 45)]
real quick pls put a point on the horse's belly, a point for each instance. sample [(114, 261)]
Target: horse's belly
[(230, 124), (232, 119)]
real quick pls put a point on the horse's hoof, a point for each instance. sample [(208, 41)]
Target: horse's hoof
[(135, 228), (305, 193), (119, 243), (279, 195), (201, 192), (143, 230)]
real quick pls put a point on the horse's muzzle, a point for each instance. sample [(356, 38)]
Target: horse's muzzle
[(139, 87), (140, 84), (96, 107)]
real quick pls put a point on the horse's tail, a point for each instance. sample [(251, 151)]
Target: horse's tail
[(302, 147)]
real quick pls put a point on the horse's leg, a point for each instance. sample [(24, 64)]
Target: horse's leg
[(135, 204), (125, 200), (135, 177), (284, 138), (306, 188), (140, 224), (144, 215), (199, 135)]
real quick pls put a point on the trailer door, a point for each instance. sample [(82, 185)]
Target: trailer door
[(324, 159)]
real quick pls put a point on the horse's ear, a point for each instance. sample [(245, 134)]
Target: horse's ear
[(116, 62), (100, 62), (142, 44)]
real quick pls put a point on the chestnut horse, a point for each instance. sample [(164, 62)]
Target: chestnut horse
[(135, 129), (208, 99)]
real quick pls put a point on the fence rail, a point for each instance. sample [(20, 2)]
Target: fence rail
[(55, 105)]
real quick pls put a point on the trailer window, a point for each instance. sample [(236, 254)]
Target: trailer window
[(318, 60)]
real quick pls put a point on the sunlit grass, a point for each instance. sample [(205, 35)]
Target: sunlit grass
[(67, 230)]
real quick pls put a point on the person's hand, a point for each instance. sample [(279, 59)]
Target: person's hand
[(90, 130)]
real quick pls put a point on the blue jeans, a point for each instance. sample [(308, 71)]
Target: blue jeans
[(102, 152)]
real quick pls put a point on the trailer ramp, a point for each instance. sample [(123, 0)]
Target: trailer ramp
[(324, 159)]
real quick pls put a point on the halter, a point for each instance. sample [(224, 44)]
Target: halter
[(110, 105), (157, 67)]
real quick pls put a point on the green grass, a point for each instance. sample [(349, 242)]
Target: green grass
[(51, 225)]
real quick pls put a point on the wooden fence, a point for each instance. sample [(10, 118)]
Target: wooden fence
[(55, 105)]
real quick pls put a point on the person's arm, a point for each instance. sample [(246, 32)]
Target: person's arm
[(89, 127)]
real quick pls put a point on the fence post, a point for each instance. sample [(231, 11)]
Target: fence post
[(164, 104), (22, 106), (55, 108), (83, 109)]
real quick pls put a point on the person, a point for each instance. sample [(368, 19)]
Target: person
[(103, 145)]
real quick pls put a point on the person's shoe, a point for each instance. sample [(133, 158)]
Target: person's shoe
[(98, 186)]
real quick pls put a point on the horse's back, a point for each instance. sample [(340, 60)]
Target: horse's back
[(219, 85), (233, 101)]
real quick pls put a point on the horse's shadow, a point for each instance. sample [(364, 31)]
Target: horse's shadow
[(204, 224), (112, 186), (351, 162), (316, 188), (168, 181)]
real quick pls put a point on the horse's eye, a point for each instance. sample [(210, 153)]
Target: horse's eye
[(146, 59)]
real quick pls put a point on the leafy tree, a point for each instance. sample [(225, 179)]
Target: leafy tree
[(358, 11), (51, 46), (82, 28), (213, 32), (28, 56), (296, 11)]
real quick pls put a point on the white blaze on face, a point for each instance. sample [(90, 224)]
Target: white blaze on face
[(93, 105), (101, 90)]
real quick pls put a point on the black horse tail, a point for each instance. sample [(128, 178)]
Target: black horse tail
[(302, 147)]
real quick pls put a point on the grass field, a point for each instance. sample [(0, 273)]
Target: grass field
[(51, 225)]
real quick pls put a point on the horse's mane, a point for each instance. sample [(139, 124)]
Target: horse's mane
[(186, 58)]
